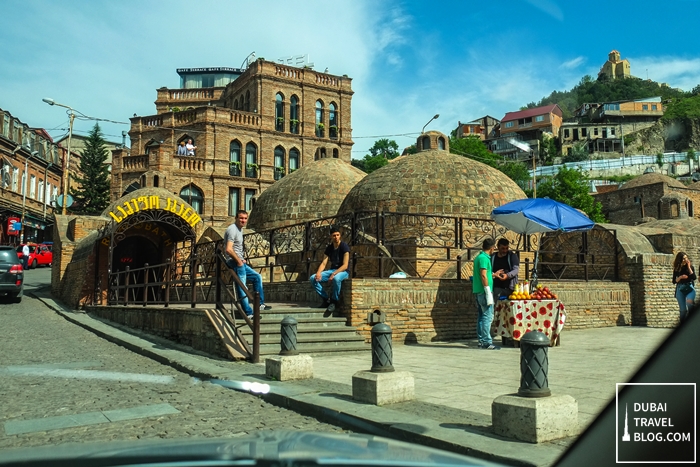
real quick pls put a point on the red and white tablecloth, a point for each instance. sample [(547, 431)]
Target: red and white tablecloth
[(514, 318)]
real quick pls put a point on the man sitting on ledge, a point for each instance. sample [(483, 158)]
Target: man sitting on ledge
[(338, 253)]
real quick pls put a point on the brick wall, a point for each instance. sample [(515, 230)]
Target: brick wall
[(653, 302), (184, 326)]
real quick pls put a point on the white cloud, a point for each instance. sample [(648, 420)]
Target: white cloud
[(677, 72), (573, 63), (549, 7)]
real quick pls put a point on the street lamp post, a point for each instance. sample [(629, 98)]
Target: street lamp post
[(71, 117), (434, 117)]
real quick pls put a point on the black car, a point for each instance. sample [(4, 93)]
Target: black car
[(11, 273)]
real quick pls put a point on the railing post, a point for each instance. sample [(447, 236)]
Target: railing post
[(256, 328), (354, 264), (459, 267), (126, 286), (145, 284), (616, 259), (458, 243), (381, 265), (168, 278), (353, 229), (527, 268), (307, 236), (308, 268), (383, 238), (193, 281), (534, 365), (217, 269), (288, 334)]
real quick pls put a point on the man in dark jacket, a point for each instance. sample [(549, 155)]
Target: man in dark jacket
[(506, 266)]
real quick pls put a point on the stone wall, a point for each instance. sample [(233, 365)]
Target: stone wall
[(184, 326), (653, 302)]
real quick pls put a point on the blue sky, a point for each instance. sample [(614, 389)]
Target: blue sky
[(408, 59)]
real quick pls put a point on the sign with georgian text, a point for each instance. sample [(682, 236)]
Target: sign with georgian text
[(144, 203)]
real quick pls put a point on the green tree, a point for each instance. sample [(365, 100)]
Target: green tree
[(517, 172), (571, 186), (474, 148), (548, 149), (92, 195), (387, 148), (579, 152)]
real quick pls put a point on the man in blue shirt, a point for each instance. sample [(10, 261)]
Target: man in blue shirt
[(482, 284)]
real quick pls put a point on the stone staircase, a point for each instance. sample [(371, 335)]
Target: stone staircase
[(316, 335)]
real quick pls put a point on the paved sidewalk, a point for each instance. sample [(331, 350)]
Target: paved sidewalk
[(455, 384)]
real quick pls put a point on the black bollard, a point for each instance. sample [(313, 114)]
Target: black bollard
[(534, 365), (288, 333), (381, 349)]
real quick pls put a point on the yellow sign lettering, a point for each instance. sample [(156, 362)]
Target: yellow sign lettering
[(115, 217), (153, 202), (122, 211), (129, 209), (136, 205)]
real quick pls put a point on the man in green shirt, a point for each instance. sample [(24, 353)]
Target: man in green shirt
[(481, 287)]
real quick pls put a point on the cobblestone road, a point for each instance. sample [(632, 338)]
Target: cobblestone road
[(52, 368)]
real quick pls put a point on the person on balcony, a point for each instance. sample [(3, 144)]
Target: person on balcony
[(235, 260), (338, 255), (190, 147), (181, 149)]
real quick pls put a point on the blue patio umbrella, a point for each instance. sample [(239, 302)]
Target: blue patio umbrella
[(538, 215), (529, 216)]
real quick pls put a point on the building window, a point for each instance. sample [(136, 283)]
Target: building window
[(332, 121), (6, 126), (251, 161), (691, 212), (294, 115), (279, 112), (441, 143), (40, 189), (247, 101), (509, 124), (32, 187), (280, 169), (425, 143), (16, 132), (645, 106), (249, 194), (539, 118), (15, 178), (653, 106), (233, 201), (235, 104), (234, 159), (293, 160), (319, 119), (674, 208), (194, 197), (54, 193), (595, 131), (336, 154), (612, 131), (584, 132), (566, 133)]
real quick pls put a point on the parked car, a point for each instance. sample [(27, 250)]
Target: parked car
[(11, 273), (39, 255)]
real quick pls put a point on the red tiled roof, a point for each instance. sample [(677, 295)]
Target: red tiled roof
[(554, 108)]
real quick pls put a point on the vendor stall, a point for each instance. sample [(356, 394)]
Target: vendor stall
[(514, 318)]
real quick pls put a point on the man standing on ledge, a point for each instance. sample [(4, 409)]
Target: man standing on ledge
[(482, 284), (234, 254), (338, 253)]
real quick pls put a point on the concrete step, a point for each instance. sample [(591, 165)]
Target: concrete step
[(270, 350), (304, 333)]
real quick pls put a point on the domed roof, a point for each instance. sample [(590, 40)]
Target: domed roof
[(433, 182), (312, 192), (650, 179)]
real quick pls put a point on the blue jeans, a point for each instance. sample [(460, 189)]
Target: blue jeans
[(246, 273), (483, 320), (685, 302), (335, 286)]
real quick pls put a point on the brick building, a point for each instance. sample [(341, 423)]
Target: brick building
[(650, 196), (32, 167), (484, 128), (265, 122), (526, 126)]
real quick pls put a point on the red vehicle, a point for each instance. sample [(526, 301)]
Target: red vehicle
[(39, 255)]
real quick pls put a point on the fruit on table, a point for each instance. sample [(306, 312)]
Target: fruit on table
[(543, 293)]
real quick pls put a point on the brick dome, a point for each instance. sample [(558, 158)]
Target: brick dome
[(650, 179), (433, 182), (312, 192)]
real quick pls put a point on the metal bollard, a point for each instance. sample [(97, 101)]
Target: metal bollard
[(381, 349), (288, 334), (534, 365)]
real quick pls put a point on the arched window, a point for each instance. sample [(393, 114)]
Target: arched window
[(279, 112), (426, 143), (280, 169), (156, 181), (247, 101), (194, 197), (319, 119), (251, 161), (674, 208), (658, 210), (293, 160), (234, 159), (133, 187), (441, 143), (235, 104), (294, 115), (332, 121), (691, 212), (335, 153)]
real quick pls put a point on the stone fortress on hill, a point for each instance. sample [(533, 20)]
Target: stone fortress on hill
[(282, 135)]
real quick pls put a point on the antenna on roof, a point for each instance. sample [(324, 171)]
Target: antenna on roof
[(248, 59)]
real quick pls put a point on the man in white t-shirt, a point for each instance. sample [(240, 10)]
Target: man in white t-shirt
[(235, 259)]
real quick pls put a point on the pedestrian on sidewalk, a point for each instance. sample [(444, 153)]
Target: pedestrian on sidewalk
[(482, 284), (684, 278), (338, 255), (235, 260)]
